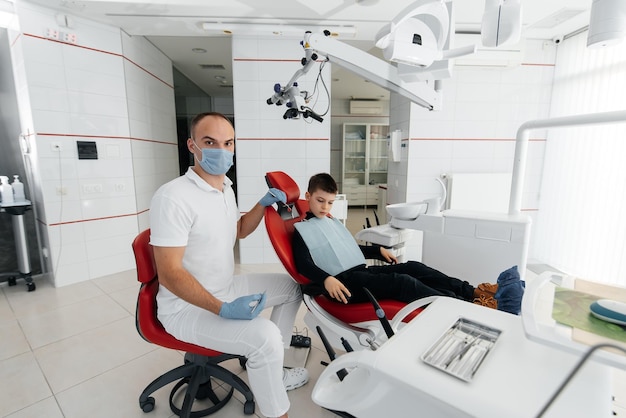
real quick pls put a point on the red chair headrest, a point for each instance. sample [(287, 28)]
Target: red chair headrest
[(281, 181), (144, 258)]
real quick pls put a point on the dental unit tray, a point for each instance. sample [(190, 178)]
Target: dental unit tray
[(462, 349)]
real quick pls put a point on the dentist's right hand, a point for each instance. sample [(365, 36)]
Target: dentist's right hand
[(244, 307)]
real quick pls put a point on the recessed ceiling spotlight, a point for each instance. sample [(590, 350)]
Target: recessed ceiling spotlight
[(198, 50), (220, 77)]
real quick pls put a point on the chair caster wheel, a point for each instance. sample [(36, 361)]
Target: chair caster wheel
[(248, 408), (12, 281), (148, 405), (31, 286)]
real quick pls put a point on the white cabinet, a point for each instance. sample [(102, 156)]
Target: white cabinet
[(364, 162)]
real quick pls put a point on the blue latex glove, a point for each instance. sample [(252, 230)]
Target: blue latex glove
[(244, 307), (272, 196)]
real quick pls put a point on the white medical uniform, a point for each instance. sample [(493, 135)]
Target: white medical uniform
[(188, 212)]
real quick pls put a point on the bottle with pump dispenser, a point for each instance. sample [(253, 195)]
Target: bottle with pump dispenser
[(18, 189), (6, 191)]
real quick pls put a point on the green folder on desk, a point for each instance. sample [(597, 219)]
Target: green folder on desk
[(571, 308)]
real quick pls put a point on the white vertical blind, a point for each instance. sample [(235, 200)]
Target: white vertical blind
[(581, 225)]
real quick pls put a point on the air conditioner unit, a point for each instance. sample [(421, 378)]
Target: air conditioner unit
[(366, 107), (505, 56)]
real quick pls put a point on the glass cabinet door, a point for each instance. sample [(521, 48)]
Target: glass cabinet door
[(355, 154), (377, 156), (364, 162)]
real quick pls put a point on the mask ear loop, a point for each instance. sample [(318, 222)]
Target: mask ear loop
[(199, 149)]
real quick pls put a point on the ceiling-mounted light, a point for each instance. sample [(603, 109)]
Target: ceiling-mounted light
[(607, 25), (275, 29), (198, 50), (220, 77)]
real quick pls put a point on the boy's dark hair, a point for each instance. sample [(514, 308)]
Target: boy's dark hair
[(322, 181), (196, 119)]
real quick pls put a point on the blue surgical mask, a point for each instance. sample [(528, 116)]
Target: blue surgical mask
[(215, 161)]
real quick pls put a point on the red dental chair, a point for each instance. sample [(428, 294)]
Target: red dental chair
[(356, 322), (201, 366)]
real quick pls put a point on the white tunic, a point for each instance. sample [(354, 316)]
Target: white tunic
[(187, 212)]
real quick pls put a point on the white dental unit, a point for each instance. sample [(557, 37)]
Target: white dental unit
[(473, 246), (515, 377), (455, 359)]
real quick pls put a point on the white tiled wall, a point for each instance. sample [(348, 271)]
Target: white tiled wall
[(265, 141), (116, 91)]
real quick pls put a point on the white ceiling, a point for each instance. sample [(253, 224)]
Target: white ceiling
[(175, 27)]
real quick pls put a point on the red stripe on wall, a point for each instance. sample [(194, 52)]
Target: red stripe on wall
[(15, 40), (95, 219), (102, 51), (106, 137)]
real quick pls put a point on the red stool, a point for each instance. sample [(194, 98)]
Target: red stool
[(201, 365)]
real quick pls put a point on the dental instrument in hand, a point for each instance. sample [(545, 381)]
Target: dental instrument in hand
[(243, 307), (258, 302)]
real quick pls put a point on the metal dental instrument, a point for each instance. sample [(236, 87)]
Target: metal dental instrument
[(258, 302)]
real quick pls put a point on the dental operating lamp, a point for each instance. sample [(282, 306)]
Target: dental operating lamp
[(416, 44)]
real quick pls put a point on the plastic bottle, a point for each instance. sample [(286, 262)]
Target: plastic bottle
[(18, 189), (6, 191)]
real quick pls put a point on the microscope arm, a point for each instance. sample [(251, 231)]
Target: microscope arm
[(425, 93), (374, 69)]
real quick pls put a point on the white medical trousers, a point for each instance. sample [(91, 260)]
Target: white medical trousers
[(260, 340)]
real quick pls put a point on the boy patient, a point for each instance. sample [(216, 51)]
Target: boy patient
[(326, 253)]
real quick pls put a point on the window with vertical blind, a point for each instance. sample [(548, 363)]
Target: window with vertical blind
[(581, 224)]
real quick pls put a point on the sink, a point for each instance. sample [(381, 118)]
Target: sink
[(406, 211)]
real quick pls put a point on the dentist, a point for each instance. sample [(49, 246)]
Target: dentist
[(195, 222)]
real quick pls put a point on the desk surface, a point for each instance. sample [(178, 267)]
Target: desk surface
[(516, 379), (539, 324)]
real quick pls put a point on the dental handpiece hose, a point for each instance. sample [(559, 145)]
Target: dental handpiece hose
[(346, 345), (342, 373), (380, 313)]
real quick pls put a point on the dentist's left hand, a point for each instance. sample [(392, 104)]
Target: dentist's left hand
[(272, 196), (244, 307)]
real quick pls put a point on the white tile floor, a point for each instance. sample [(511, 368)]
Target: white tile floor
[(74, 352)]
